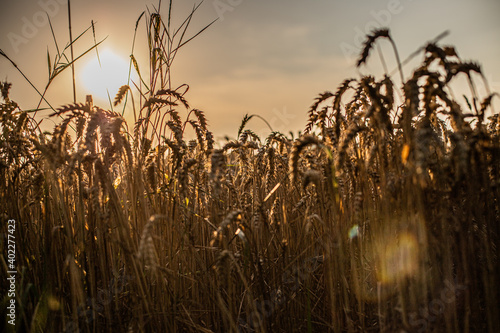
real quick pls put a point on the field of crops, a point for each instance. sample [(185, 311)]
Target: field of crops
[(382, 216)]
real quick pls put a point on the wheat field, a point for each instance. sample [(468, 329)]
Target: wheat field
[(383, 215)]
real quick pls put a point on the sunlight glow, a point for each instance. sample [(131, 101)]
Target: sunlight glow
[(108, 76), (398, 258)]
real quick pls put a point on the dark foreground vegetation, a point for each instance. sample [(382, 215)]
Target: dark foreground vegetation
[(383, 216)]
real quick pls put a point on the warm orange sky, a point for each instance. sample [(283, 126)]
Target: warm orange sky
[(270, 58)]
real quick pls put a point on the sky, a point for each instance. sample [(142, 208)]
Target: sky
[(265, 57)]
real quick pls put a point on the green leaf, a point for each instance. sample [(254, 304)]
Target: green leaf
[(48, 61)]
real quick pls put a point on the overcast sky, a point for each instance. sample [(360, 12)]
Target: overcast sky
[(266, 57)]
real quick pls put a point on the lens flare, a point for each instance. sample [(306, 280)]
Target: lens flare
[(397, 258), (353, 232)]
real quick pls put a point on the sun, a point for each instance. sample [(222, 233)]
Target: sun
[(104, 75)]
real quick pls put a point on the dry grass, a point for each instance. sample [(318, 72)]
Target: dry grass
[(382, 217)]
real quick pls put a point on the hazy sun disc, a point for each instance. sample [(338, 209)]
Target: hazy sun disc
[(108, 76)]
